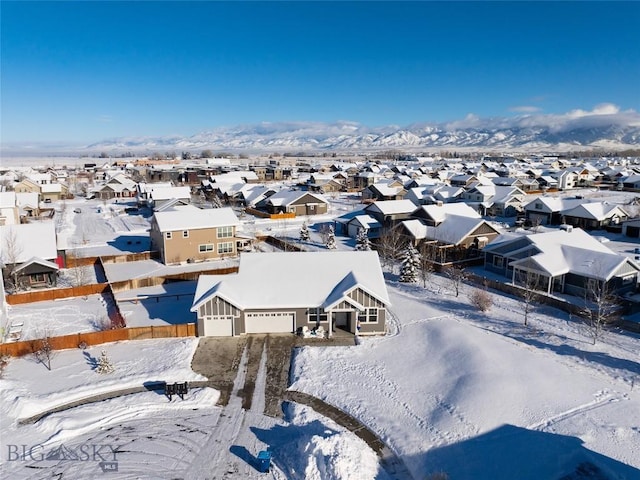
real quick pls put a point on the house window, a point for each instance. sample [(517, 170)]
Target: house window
[(628, 279), (168, 235), (185, 234), (317, 315), (369, 315), (226, 247), (538, 206), (37, 278), (225, 232), (207, 247), (498, 262)]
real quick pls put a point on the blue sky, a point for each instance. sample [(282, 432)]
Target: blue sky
[(87, 71)]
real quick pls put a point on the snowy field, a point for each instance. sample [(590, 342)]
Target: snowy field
[(513, 401), (147, 436), (166, 304), (59, 317)]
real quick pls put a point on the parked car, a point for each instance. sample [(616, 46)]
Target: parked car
[(77, 210)]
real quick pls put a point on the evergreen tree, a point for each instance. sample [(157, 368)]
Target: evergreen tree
[(362, 240), (410, 265), (304, 233), (104, 364), (331, 239)]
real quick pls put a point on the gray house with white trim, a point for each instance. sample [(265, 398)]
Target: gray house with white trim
[(336, 290)]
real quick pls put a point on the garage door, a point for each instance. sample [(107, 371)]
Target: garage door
[(272, 322), (218, 326)]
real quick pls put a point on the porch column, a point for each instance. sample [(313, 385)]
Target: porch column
[(549, 284), (330, 318)]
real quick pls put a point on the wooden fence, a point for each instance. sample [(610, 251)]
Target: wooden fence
[(272, 216), (153, 281), (17, 349), (53, 294)]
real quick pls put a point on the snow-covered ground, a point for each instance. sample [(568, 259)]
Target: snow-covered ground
[(480, 395), (145, 435), (58, 317)]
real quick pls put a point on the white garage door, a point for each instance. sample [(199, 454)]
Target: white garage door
[(218, 326), (272, 322)]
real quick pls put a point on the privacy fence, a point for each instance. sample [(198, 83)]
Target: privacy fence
[(81, 340)]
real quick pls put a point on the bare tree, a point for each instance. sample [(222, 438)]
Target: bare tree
[(43, 350), (481, 299), (11, 252), (601, 307), (530, 283), (428, 252), (390, 245), (78, 271), (456, 275)]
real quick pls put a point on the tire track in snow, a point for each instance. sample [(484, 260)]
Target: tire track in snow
[(602, 399)]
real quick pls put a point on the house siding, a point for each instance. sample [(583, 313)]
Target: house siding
[(179, 249)]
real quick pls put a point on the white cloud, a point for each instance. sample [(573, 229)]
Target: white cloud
[(525, 109)]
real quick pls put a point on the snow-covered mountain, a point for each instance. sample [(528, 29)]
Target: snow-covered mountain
[(605, 126)]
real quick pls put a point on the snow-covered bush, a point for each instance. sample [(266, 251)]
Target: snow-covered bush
[(481, 299), (104, 364), (362, 240), (410, 265)]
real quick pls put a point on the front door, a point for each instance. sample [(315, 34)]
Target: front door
[(341, 319)]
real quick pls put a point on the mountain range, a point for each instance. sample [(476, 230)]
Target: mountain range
[(603, 127)]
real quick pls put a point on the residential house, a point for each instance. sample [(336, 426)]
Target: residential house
[(333, 290), (494, 200), (547, 210), (390, 212), (186, 233), (381, 191), (29, 254), (9, 211), (562, 261), (159, 196), (295, 201), (118, 186), (594, 215)]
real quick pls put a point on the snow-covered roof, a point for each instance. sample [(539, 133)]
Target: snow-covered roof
[(30, 239), (365, 221), (595, 211), (287, 197), (188, 217), (304, 279), (8, 199), (438, 212), (391, 207), (39, 261), (168, 193), (561, 252)]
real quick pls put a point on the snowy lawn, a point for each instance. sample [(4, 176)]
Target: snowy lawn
[(513, 401), (59, 317), (166, 304), (28, 387)]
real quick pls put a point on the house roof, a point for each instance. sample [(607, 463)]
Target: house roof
[(438, 212), (391, 207), (31, 239), (38, 261), (168, 193), (287, 197), (295, 280), (595, 211), (560, 252), (188, 217)]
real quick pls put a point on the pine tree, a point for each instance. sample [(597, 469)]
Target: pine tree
[(331, 239), (410, 265), (362, 240), (304, 233), (104, 364)]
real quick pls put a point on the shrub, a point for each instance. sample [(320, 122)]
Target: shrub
[(481, 299)]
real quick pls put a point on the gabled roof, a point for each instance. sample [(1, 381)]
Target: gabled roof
[(438, 212), (37, 261), (391, 207), (167, 193), (188, 217), (32, 239), (304, 279), (287, 197), (560, 252), (365, 221), (595, 211)]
